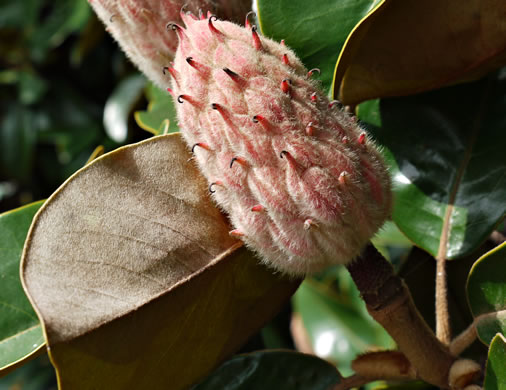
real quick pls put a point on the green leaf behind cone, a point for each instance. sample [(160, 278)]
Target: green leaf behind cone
[(486, 292), (131, 270), (20, 330), (495, 375), (446, 152), (336, 319), (316, 30), (159, 111), (391, 243), (281, 370)]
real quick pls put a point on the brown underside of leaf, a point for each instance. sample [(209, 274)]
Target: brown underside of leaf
[(181, 336), (132, 272), (412, 46)]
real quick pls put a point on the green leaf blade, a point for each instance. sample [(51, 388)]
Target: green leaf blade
[(20, 330), (486, 293), (337, 322), (159, 111), (281, 370), (447, 163), (315, 31), (495, 375)]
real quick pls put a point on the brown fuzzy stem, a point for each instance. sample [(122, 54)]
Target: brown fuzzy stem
[(390, 303), (463, 340), (443, 329), (388, 365), (373, 366)]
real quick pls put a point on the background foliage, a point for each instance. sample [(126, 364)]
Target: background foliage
[(66, 88), (58, 68)]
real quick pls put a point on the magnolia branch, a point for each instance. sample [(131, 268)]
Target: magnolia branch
[(390, 303)]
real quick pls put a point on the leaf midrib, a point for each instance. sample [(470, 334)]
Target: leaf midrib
[(445, 231)]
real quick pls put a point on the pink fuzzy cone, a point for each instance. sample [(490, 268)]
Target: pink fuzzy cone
[(139, 26), (302, 184)]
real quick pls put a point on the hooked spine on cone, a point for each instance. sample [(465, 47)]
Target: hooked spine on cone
[(278, 155)]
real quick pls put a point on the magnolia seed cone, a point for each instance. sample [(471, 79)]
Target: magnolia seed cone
[(303, 185), (139, 26)]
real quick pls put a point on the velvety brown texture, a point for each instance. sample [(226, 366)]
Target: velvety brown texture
[(410, 46), (131, 270)]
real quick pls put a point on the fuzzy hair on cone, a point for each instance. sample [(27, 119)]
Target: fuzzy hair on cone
[(139, 26), (302, 184)]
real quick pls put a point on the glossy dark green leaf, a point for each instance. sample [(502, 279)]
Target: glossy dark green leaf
[(280, 370), (446, 152), (336, 320), (160, 115), (316, 30), (486, 293), (390, 235), (20, 330), (495, 375), (391, 242), (119, 106)]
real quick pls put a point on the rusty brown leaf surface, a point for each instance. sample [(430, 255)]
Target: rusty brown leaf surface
[(135, 279), (409, 46)]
